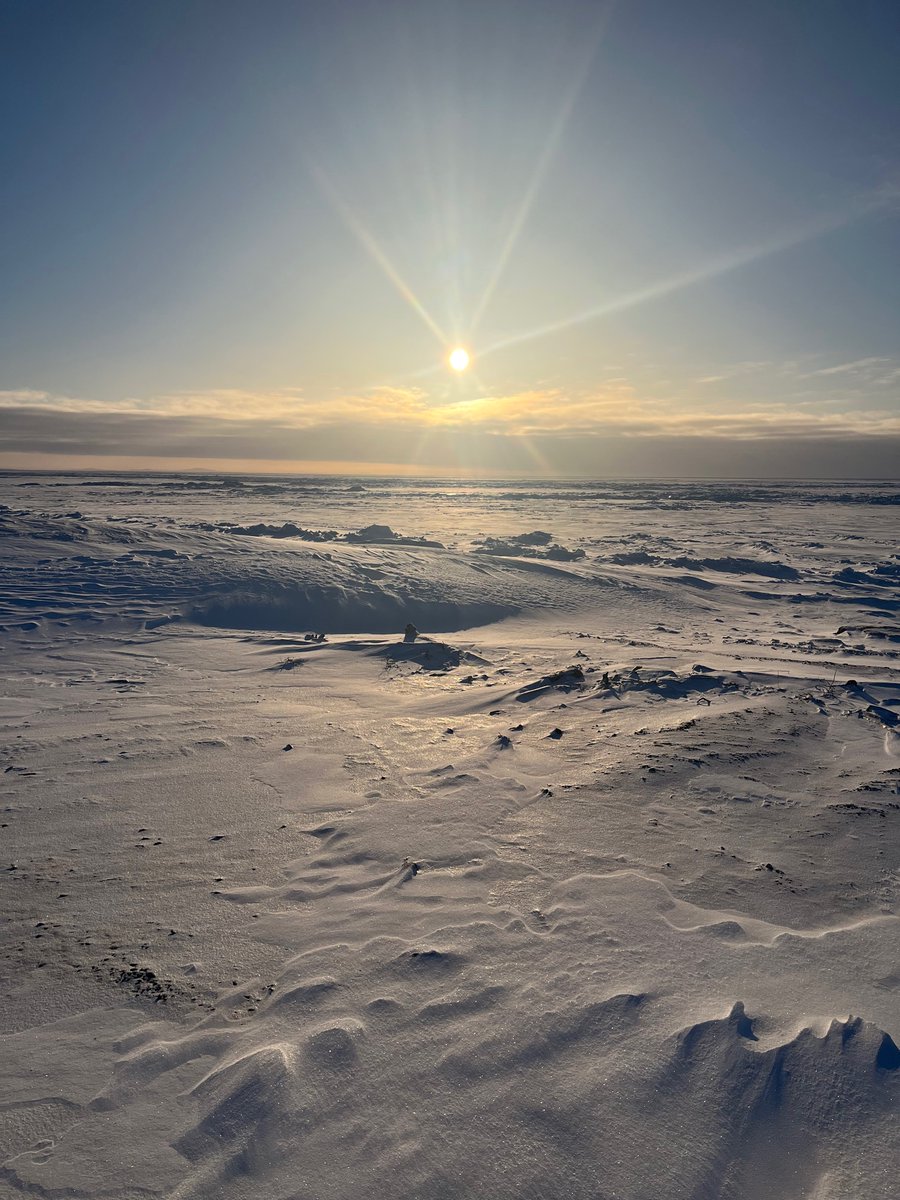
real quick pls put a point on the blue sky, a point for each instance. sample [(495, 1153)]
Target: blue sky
[(249, 234)]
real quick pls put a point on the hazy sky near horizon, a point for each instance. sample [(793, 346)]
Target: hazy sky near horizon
[(250, 233)]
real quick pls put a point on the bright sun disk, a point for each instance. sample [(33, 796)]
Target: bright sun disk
[(459, 359)]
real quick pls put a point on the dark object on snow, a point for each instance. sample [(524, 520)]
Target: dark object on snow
[(885, 715), (410, 633), (288, 747), (556, 734), (569, 680)]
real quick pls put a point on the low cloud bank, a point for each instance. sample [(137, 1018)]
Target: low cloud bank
[(534, 433)]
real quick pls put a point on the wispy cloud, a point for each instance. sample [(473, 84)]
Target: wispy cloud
[(875, 371), (811, 379)]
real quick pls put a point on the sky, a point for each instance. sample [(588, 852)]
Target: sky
[(247, 235)]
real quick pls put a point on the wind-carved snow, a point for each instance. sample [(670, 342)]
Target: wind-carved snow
[(588, 889)]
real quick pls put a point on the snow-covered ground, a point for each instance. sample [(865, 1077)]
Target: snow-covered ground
[(589, 892)]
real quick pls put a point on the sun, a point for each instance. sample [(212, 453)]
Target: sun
[(459, 359)]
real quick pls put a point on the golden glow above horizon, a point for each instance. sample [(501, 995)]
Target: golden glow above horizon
[(459, 359)]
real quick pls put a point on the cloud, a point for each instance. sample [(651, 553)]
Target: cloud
[(762, 444), (614, 430), (289, 405), (228, 415), (858, 365), (877, 372)]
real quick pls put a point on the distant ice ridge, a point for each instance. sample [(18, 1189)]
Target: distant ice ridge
[(338, 555), (732, 565)]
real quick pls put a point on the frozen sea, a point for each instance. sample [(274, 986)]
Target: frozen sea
[(589, 891)]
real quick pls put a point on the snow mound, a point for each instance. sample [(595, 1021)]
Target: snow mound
[(777, 1109), (381, 534), (286, 530), (293, 609), (528, 545)]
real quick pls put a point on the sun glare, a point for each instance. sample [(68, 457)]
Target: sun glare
[(459, 359)]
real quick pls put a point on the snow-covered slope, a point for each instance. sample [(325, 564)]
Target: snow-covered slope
[(591, 892)]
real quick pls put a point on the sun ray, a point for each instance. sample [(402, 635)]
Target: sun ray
[(482, 387), (542, 165), (722, 264), (545, 469), (371, 246)]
